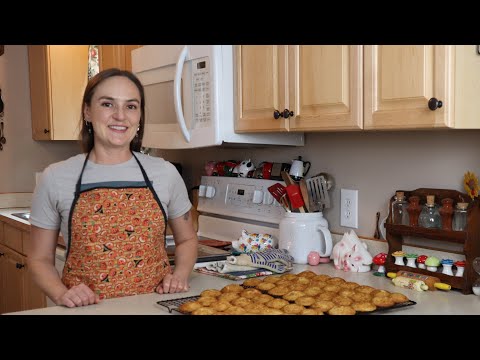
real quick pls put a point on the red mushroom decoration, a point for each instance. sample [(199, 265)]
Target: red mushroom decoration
[(421, 261), (380, 260)]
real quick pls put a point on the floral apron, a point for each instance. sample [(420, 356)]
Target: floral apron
[(117, 239)]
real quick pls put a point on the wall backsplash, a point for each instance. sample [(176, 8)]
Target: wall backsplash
[(375, 163)]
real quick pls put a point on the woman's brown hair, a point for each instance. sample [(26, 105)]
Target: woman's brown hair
[(86, 132)]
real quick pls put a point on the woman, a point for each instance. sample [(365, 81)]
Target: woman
[(111, 205)]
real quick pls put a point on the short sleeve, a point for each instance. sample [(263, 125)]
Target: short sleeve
[(179, 202), (44, 213)]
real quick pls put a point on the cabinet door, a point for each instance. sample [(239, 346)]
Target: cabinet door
[(58, 76), (326, 87), (12, 276), (118, 56), (260, 76), (399, 82)]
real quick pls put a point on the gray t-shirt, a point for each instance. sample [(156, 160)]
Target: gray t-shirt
[(55, 189)]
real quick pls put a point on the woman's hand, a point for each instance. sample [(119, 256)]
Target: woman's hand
[(78, 295), (172, 283)]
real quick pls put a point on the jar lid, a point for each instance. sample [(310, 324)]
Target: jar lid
[(462, 206), (430, 199), (399, 194)]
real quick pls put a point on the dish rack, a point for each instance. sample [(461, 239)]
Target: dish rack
[(470, 238), (174, 304)]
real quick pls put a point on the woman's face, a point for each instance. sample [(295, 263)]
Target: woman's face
[(114, 112)]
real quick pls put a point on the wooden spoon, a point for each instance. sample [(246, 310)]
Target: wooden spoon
[(304, 191)]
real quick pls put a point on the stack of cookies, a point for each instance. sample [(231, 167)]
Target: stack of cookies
[(306, 293)]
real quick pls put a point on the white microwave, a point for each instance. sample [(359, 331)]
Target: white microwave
[(189, 95)]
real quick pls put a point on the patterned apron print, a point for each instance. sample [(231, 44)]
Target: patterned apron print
[(117, 238)]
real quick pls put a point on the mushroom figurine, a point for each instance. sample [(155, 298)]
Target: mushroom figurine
[(432, 263), (460, 267), (380, 260), (421, 261), (399, 255)]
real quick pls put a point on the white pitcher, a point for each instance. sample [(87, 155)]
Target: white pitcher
[(301, 233)]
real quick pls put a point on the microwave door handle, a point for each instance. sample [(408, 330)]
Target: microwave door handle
[(177, 95)]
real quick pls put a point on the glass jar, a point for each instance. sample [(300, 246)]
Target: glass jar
[(460, 217), (399, 209), (430, 217)]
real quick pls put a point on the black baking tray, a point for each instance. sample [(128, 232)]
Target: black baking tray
[(173, 304)]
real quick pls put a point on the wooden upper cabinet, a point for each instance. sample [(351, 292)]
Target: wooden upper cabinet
[(260, 79), (400, 80), (321, 85), (118, 56), (325, 87), (58, 76)]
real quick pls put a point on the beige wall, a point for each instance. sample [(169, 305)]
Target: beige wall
[(21, 156), (375, 163)]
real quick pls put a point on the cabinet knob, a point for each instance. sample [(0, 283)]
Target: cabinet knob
[(277, 114), (19, 266), (46, 131), (434, 104), (287, 113), (2, 254)]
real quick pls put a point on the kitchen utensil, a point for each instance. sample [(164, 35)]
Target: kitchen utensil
[(317, 189), (377, 228), (280, 194), (289, 181), (295, 197), (2, 137), (306, 198), (431, 282)]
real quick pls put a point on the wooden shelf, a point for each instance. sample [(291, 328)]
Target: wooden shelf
[(470, 239)]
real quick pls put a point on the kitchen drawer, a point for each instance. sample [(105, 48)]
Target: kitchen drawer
[(12, 237)]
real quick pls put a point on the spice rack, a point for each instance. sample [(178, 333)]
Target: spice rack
[(470, 238)]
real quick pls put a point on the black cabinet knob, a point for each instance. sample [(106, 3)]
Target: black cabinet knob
[(287, 113), (276, 114), (19, 266), (434, 104), (46, 131)]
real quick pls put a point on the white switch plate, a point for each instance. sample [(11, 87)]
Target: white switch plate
[(349, 208)]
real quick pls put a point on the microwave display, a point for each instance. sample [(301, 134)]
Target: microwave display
[(201, 90)]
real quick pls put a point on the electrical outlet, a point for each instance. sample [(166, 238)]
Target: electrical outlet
[(349, 208)]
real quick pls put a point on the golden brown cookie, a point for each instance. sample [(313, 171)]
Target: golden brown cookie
[(293, 295), (307, 273), (364, 306), (288, 276), (321, 277), (250, 293), (349, 285), (204, 311), (220, 305), (398, 298), (210, 293), (190, 306), (235, 310), (311, 312), (228, 297), (279, 291), (301, 280), (293, 309), (332, 288), (264, 286), (342, 310), (271, 311), (379, 293), (242, 302), (365, 289), (255, 309), (235, 288), (312, 290), (207, 301), (361, 297), (272, 279), (262, 298), (251, 282), (323, 305), (305, 300), (335, 281), (327, 295), (277, 303), (342, 300), (383, 301), (298, 287), (346, 292)]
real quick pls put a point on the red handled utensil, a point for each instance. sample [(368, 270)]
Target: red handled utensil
[(279, 193), (295, 197)]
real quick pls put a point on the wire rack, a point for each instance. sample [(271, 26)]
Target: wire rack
[(173, 304)]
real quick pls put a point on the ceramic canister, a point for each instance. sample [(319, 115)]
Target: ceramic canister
[(301, 233)]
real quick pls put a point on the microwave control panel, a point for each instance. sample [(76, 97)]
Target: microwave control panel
[(239, 197), (201, 93)]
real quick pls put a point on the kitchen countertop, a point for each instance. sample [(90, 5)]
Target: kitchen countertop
[(428, 302)]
